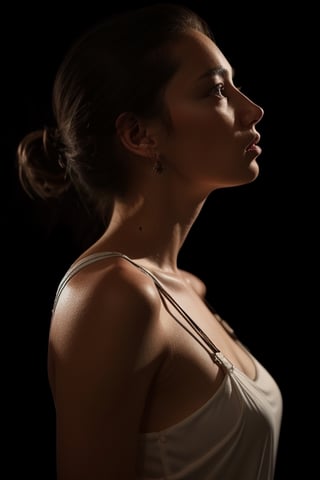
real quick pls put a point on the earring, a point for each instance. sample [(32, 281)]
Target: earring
[(157, 166)]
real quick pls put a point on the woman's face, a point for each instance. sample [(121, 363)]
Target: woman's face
[(213, 137)]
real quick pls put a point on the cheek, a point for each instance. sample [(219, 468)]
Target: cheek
[(201, 135), (200, 123)]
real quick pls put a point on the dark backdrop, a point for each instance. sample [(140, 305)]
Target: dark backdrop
[(240, 245)]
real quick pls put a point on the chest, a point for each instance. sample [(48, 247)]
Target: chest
[(188, 376)]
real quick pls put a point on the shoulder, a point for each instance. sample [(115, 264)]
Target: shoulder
[(111, 283), (195, 282), (108, 303)]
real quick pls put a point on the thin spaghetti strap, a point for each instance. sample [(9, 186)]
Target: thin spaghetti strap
[(162, 291), (75, 268)]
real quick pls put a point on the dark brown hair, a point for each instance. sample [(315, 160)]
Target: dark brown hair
[(120, 65)]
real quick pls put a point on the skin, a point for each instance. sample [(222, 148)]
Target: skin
[(115, 375)]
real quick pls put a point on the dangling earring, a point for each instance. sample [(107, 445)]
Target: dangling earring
[(157, 166)]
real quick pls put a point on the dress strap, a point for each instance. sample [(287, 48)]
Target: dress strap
[(88, 260), (213, 349)]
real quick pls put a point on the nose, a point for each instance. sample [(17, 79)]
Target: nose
[(251, 112), (259, 112)]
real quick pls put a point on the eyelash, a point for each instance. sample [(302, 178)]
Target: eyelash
[(218, 90)]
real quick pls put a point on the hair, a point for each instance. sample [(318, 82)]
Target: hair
[(120, 65)]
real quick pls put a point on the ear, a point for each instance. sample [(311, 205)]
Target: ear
[(134, 134)]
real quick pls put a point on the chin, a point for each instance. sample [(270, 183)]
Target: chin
[(249, 177), (252, 172)]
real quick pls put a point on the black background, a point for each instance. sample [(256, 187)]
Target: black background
[(244, 244)]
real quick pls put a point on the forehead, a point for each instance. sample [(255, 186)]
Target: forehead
[(196, 55)]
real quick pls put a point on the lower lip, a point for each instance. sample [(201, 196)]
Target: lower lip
[(255, 149)]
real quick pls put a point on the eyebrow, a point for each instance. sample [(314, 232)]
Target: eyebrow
[(222, 72)]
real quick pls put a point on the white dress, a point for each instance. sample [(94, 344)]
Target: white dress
[(233, 436)]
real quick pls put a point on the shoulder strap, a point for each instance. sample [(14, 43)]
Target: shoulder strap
[(213, 349), (77, 267), (89, 260)]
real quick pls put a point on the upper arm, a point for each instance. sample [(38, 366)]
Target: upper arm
[(103, 349)]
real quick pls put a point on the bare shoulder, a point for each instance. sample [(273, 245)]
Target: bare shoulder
[(195, 282), (107, 303), (117, 286)]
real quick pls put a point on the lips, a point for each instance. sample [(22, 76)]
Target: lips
[(254, 142)]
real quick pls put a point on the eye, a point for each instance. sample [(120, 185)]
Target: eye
[(218, 90)]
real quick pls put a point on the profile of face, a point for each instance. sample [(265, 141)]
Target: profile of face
[(213, 139)]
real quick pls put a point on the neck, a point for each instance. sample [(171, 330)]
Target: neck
[(152, 228)]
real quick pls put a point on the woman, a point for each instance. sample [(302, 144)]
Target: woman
[(148, 381)]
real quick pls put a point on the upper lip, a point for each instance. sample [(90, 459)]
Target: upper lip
[(254, 141)]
